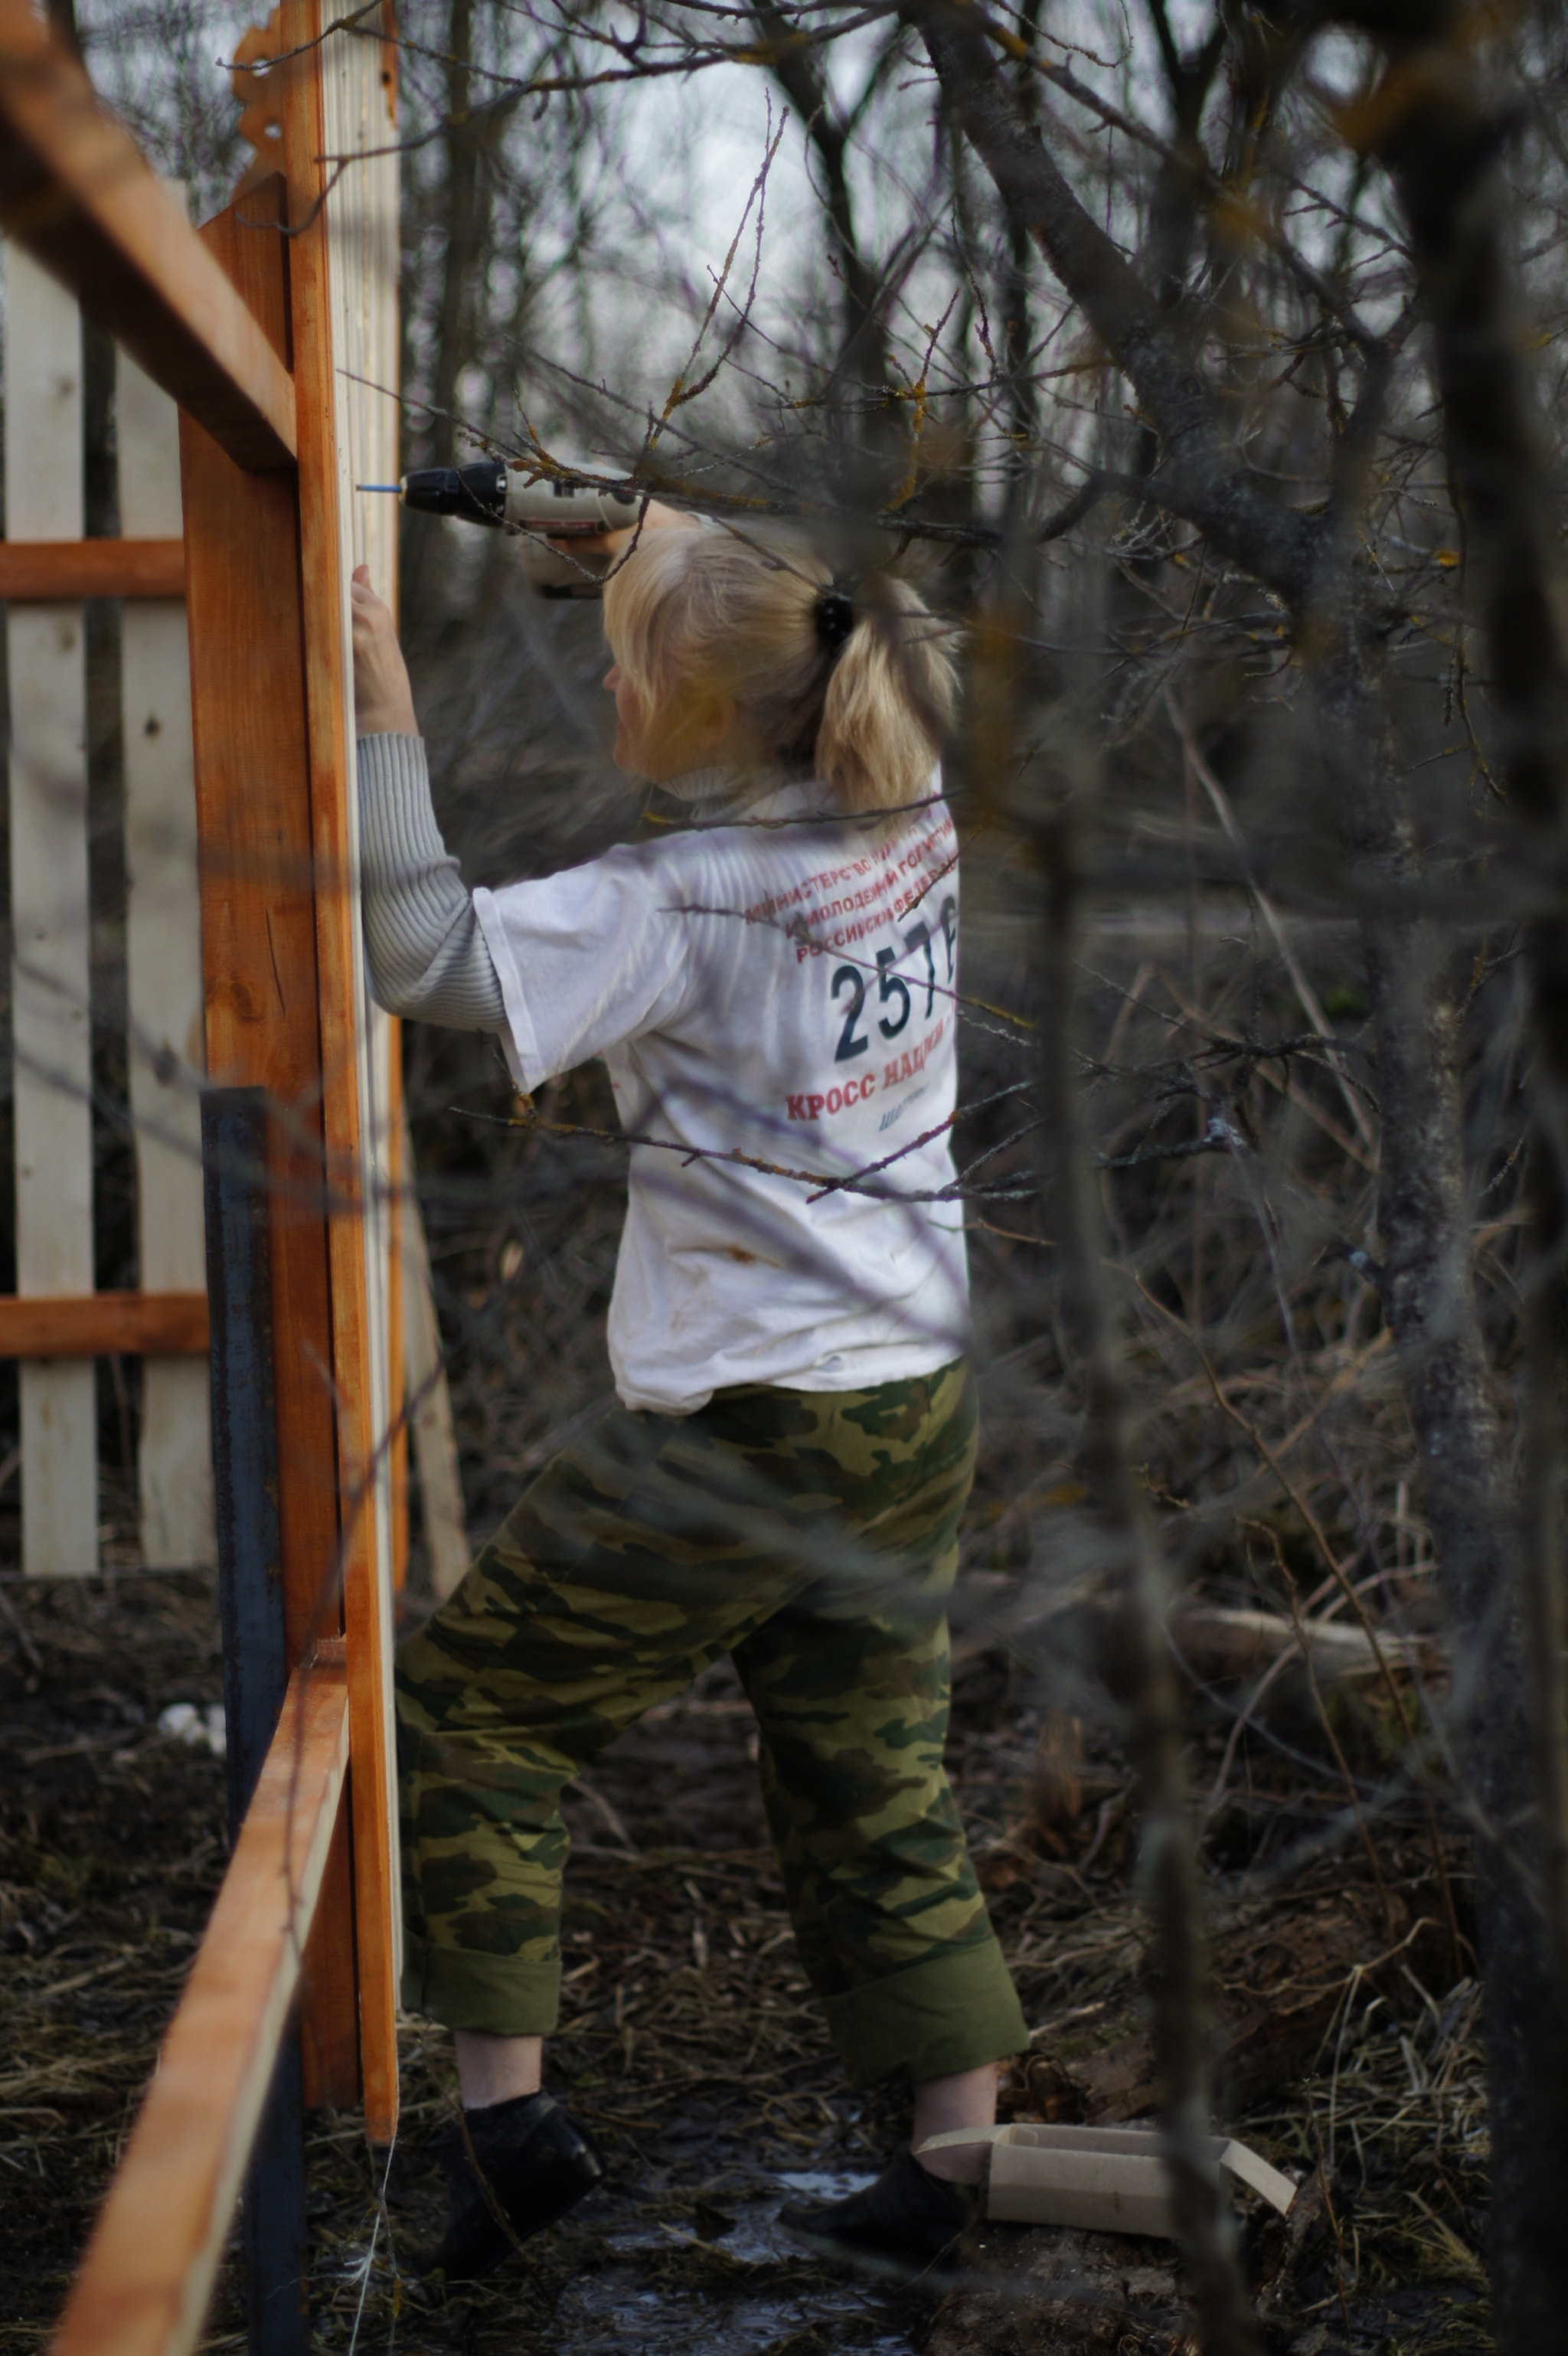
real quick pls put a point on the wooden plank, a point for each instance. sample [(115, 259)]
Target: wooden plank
[(329, 1999), (147, 2276), (397, 1355), (362, 237), (75, 192), (362, 240), (430, 1403), (258, 934), (39, 571), (258, 930), (349, 1120), (51, 1031), (107, 1325), (382, 556), (165, 1048)]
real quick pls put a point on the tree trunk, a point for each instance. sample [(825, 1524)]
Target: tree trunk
[(454, 318), (1427, 1280), (424, 554), (1430, 1301), (866, 423), (1138, 1664)]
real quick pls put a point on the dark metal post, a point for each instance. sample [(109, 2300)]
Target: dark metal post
[(255, 1672)]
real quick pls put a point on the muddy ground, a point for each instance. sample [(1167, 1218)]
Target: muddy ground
[(1347, 2023)]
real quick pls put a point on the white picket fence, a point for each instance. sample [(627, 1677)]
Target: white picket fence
[(46, 654)]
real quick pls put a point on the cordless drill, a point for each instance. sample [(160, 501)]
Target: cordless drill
[(488, 492)]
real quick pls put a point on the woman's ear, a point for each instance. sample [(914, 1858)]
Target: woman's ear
[(715, 720)]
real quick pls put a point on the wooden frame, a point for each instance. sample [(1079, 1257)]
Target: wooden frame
[(149, 2269), (41, 571), (45, 573), (75, 190), (265, 1024), (238, 325), (45, 579), (348, 1109), (104, 1324)]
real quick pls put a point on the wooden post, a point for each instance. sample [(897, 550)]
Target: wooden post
[(163, 957), (397, 1355), (263, 1013), (353, 1104), (50, 1013)]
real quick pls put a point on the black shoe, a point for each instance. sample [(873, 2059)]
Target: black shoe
[(908, 2217), (535, 2163)]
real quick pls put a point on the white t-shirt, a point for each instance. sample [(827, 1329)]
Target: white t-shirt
[(782, 991)]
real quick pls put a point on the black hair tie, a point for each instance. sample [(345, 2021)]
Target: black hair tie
[(835, 617)]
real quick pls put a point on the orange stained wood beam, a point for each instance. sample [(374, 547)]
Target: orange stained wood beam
[(104, 1325), (37, 571), (77, 192), (264, 1015), (327, 707), (147, 2276), (397, 1370)]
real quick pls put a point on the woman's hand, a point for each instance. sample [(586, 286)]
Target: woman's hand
[(383, 699)]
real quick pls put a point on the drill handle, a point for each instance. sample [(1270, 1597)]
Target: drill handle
[(567, 514), (565, 511)]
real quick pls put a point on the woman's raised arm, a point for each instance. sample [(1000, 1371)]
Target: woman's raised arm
[(425, 951)]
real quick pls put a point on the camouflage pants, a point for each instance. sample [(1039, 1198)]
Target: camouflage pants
[(812, 1535)]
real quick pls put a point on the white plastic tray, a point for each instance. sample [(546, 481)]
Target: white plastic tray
[(1105, 2180)]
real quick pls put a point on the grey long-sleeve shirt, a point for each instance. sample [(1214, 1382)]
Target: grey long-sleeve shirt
[(422, 943)]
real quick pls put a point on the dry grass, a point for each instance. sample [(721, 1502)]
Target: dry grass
[(1275, 1454), (691, 2044)]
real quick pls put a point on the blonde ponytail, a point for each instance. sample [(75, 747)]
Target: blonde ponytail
[(853, 684), (889, 698)]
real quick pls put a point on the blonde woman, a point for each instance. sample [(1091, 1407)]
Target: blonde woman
[(771, 987)]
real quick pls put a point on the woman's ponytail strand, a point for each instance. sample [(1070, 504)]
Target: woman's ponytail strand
[(890, 700)]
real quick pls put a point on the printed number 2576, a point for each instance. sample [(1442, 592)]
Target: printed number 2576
[(892, 989)]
